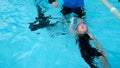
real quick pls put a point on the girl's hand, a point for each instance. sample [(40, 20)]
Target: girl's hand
[(55, 4)]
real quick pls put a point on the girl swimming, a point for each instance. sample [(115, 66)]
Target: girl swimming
[(88, 52)]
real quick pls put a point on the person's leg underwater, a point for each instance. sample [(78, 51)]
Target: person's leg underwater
[(65, 11), (80, 14)]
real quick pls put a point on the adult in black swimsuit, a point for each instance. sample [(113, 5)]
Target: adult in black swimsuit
[(87, 51)]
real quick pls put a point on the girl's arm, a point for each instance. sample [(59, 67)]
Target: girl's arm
[(97, 44), (71, 26)]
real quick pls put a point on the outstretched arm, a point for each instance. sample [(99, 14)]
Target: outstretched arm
[(105, 62), (71, 26), (97, 44)]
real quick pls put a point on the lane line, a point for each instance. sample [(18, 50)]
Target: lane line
[(111, 8)]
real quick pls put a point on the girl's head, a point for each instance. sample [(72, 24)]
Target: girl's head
[(81, 28)]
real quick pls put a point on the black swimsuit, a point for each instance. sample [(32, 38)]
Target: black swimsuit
[(87, 52)]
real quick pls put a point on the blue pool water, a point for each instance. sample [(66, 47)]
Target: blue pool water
[(47, 47)]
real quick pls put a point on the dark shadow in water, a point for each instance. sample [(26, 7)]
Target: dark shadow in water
[(41, 21)]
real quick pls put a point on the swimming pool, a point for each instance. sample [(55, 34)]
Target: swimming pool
[(47, 47)]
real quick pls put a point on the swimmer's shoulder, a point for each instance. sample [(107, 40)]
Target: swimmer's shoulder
[(91, 36)]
